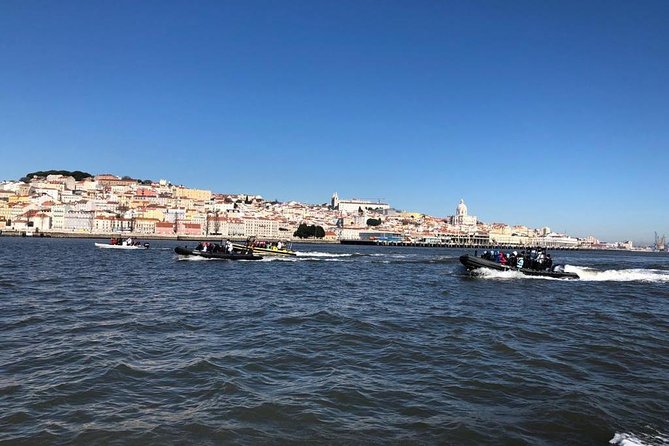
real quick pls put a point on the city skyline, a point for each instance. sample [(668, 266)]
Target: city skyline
[(548, 114), (70, 191)]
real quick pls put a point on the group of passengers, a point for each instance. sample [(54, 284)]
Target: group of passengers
[(127, 242), (226, 247), (267, 245), (537, 259)]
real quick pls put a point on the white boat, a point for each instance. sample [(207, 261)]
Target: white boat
[(110, 246)]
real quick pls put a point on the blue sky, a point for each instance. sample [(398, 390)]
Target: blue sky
[(543, 113)]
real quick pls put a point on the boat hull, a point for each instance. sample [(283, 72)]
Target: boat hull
[(126, 247), (472, 263), (216, 255), (267, 251)]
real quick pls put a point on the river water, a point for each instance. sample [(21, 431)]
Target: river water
[(340, 345)]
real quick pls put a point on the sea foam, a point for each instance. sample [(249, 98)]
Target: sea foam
[(586, 274), (620, 275), (626, 439)]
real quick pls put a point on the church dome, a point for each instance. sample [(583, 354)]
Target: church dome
[(462, 208)]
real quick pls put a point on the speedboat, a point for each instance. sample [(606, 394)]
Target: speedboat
[(234, 255), (121, 246), (473, 263), (272, 250), (265, 247)]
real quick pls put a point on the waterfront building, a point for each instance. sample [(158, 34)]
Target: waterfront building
[(216, 224), (508, 239), (261, 228), (352, 233), (236, 228), (78, 220), (103, 224), (165, 228), (189, 228), (553, 240), (33, 220)]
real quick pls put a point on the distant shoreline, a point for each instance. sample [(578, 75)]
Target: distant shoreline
[(192, 238), (179, 237)]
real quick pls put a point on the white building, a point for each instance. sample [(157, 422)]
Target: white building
[(262, 228), (356, 205), (461, 218), (78, 221)]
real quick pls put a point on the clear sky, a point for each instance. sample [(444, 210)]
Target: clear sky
[(543, 113)]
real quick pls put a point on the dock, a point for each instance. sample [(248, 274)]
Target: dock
[(453, 244)]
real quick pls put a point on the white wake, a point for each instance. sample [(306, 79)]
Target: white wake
[(587, 274), (625, 439), (620, 275)]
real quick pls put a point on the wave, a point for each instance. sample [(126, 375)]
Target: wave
[(193, 259), (626, 439), (300, 259), (324, 254), (487, 273)]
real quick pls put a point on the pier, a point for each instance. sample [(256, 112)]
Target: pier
[(457, 244)]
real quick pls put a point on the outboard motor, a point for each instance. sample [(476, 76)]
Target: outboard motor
[(558, 268)]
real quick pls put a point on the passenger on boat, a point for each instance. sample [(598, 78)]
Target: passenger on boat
[(513, 259), (521, 260), (501, 258), (530, 259), (548, 264), (540, 259)]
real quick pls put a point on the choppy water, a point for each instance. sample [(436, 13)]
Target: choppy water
[(340, 345)]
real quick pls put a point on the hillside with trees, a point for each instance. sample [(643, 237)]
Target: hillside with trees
[(77, 174)]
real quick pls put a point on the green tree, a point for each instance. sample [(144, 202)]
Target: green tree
[(308, 231), (76, 174), (373, 222), (302, 231)]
